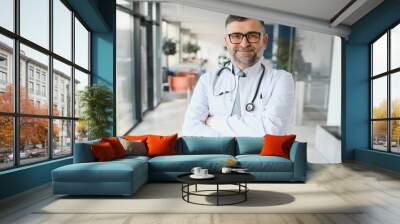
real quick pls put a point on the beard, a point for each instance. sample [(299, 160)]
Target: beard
[(246, 56)]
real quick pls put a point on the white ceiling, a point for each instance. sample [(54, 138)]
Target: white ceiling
[(202, 22), (321, 9), (208, 16)]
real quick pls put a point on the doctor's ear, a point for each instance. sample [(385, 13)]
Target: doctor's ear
[(265, 39), (226, 41)]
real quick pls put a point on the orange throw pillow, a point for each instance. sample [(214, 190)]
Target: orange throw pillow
[(277, 145), (136, 137), (116, 145), (161, 145), (103, 152)]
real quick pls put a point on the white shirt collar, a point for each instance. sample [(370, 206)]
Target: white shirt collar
[(256, 68)]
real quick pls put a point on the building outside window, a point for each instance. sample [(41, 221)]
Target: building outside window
[(3, 78), (37, 75), (3, 72), (43, 77), (30, 87), (3, 61), (30, 72), (38, 89), (43, 90)]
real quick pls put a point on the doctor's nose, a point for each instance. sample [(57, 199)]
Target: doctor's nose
[(244, 42)]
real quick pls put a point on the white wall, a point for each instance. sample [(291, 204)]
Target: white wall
[(210, 48), (334, 107), (316, 49), (173, 31)]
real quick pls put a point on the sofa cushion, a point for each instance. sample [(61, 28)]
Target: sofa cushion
[(103, 152), (159, 145), (185, 163), (257, 163), (116, 145), (111, 171), (193, 145), (277, 145), (135, 137), (83, 152), (249, 145), (132, 158), (134, 147)]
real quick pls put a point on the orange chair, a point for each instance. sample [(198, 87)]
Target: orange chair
[(179, 83), (191, 75)]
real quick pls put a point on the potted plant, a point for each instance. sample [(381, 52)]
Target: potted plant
[(96, 102), (169, 48), (190, 48)]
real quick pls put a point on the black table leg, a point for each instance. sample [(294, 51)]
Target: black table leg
[(245, 193), (188, 190), (217, 194)]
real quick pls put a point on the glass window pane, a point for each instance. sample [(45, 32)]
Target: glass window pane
[(395, 135), (62, 29), (34, 97), (379, 98), (125, 3), (6, 142), (81, 81), (81, 131), (62, 138), (144, 8), (395, 94), (125, 99), (395, 47), (62, 89), (379, 55), (6, 74), (81, 45), (379, 135), (35, 21), (154, 11), (33, 139), (7, 14)]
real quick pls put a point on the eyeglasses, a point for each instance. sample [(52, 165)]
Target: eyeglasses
[(251, 37)]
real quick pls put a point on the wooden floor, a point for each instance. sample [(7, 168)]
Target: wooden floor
[(378, 189)]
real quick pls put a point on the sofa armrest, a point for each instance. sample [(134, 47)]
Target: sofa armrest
[(298, 155), (83, 152)]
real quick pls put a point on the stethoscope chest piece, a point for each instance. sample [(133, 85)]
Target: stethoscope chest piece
[(250, 107)]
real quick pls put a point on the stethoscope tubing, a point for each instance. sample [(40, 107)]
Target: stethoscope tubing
[(249, 106)]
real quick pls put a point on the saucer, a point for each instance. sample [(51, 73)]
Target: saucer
[(208, 176)]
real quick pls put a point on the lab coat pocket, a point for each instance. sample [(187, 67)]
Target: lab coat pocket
[(218, 105)]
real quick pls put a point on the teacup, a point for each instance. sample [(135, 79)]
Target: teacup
[(203, 172), (196, 170)]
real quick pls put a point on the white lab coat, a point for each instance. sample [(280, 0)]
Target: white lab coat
[(273, 105)]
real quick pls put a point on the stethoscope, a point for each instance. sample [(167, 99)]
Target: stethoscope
[(249, 106)]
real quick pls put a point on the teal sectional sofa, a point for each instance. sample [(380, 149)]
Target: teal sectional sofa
[(125, 176)]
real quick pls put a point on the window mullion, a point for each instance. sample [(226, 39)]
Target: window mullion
[(371, 142), (389, 106), (50, 81), (73, 81)]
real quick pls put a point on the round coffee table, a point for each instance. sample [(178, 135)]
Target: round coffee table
[(238, 179)]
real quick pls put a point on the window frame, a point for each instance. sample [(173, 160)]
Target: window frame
[(16, 114), (388, 74)]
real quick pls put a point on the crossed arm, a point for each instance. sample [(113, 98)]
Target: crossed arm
[(274, 119)]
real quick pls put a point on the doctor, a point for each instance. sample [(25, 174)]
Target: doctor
[(245, 97)]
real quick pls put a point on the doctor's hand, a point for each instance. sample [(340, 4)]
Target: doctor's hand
[(208, 120)]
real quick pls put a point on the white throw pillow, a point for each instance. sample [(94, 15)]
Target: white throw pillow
[(137, 148)]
